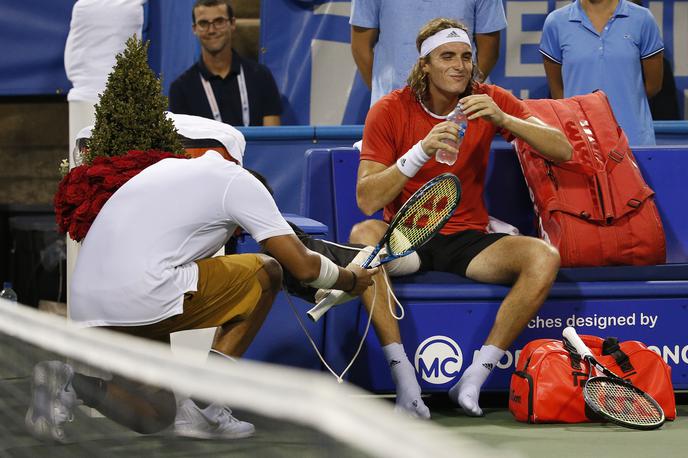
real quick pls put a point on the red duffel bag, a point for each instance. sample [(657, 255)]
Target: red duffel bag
[(547, 386)]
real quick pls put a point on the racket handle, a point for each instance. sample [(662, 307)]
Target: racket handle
[(571, 335), (325, 304), (371, 257)]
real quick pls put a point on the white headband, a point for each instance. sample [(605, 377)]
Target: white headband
[(443, 36)]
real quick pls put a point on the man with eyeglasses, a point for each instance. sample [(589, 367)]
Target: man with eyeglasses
[(223, 85)]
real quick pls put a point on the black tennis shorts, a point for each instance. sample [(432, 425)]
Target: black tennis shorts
[(452, 253)]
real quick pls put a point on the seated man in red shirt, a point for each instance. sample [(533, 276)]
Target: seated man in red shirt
[(404, 130)]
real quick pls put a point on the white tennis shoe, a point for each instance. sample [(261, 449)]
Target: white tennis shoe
[(52, 401), (213, 422)]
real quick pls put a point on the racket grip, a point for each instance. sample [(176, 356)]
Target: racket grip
[(325, 304), (571, 335)]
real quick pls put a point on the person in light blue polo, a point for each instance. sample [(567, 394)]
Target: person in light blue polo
[(383, 36), (613, 45)]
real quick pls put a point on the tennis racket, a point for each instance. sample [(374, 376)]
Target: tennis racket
[(416, 222), (612, 397)]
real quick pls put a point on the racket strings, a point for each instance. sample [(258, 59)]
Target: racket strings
[(422, 218), (621, 401)]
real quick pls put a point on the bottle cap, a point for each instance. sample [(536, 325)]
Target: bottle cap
[(7, 285)]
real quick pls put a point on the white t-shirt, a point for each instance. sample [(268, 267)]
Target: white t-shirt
[(136, 261)]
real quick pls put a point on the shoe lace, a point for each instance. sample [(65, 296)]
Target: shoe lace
[(225, 415), (61, 414), (63, 407)]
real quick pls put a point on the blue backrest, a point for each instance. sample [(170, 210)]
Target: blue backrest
[(344, 174), (506, 194), (317, 193), (664, 169)]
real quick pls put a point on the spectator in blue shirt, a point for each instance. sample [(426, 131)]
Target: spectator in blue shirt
[(383, 31), (613, 45)]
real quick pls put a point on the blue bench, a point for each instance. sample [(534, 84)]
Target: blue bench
[(448, 317)]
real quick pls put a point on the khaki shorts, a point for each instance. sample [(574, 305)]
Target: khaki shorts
[(228, 290)]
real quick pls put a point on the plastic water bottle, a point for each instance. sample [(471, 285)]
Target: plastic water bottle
[(7, 292), (459, 117)]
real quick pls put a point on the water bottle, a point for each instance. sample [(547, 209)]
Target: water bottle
[(459, 117), (7, 292)]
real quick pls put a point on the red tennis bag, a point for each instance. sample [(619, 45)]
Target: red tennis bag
[(547, 386), (596, 208)]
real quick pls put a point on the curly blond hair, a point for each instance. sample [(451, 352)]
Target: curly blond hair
[(418, 79)]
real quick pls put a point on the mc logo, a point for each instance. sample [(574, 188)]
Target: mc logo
[(438, 360)]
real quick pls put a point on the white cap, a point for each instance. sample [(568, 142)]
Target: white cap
[(195, 127)]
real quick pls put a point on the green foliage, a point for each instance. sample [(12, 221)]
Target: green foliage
[(130, 114)]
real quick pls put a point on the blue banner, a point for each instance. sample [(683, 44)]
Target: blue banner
[(306, 45), (442, 337), (32, 39), (33, 35)]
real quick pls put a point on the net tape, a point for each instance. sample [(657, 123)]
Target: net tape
[(342, 411)]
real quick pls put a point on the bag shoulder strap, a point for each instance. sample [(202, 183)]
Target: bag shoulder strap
[(574, 357), (611, 347)]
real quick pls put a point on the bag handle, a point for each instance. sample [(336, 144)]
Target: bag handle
[(557, 205), (611, 346), (617, 154)]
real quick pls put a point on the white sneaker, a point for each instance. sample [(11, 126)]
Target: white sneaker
[(52, 401), (213, 422)]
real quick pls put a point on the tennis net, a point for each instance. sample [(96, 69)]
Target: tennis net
[(295, 412)]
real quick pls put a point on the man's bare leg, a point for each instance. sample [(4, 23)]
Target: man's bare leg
[(199, 419), (531, 265), (233, 338), (143, 408), (387, 328)]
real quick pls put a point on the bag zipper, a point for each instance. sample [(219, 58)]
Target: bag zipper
[(551, 175)]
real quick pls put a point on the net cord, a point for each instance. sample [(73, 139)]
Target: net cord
[(340, 411)]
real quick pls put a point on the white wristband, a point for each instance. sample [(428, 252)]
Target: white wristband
[(329, 273), (411, 162)]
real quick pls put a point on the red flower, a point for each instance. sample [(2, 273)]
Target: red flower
[(85, 189)]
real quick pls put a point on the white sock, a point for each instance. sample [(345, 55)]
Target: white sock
[(404, 375), (467, 390)]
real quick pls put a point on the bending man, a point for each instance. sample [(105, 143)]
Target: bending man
[(145, 268)]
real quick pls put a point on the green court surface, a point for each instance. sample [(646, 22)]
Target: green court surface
[(95, 437), (499, 429)]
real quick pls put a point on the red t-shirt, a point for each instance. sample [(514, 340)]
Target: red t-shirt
[(398, 121)]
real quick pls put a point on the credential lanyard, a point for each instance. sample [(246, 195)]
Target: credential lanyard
[(243, 94)]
